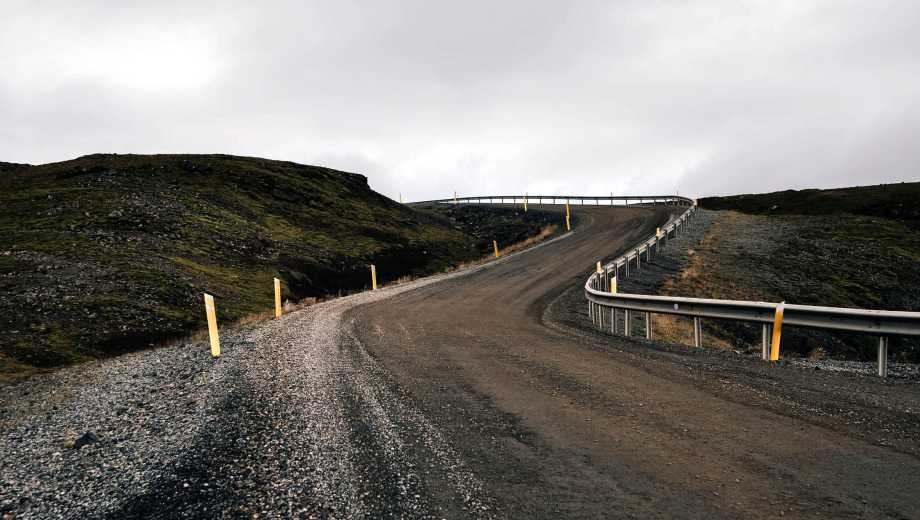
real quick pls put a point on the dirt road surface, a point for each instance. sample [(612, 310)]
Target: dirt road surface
[(557, 420), (480, 394)]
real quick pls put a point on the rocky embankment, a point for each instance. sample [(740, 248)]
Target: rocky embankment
[(842, 261)]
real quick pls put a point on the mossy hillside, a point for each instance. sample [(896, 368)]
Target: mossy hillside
[(845, 247), (827, 260), (108, 253), (505, 224)]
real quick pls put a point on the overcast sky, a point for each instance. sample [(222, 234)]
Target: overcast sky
[(480, 97)]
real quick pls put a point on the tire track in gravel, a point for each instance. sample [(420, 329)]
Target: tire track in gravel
[(310, 425)]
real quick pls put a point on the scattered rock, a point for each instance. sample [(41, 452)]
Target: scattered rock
[(85, 439)]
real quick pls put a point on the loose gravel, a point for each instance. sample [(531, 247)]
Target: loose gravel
[(295, 420)]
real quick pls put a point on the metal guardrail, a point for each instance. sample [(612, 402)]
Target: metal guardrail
[(673, 200), (600, 288), (600, 291)]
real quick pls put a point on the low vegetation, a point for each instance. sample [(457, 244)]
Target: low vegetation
[(815, 247), (890, 201), (507, 225), (110, 253)]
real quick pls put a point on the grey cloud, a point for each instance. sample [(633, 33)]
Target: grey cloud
[(430, 97)]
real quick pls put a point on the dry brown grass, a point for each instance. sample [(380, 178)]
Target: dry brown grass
[(539, 237), (679, 330), (513, 248), (694, 280)]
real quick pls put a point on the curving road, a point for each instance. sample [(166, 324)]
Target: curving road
[(556, 419), (480, 394)]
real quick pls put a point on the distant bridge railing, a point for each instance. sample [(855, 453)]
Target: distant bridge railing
[(603, 298), (672, 200)]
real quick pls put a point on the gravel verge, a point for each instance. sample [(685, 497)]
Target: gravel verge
[(295, 420)]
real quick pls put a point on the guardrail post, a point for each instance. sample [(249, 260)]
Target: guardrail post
[(777, 331), (765, 342), (599, 285), (613, 320), (697, 332), (883, 356), (626, 322), (638, 260), (648, 325), (211, 313)]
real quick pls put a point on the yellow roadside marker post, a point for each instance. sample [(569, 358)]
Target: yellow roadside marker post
[(525, 203), (277, 298), (211, 312), (568, 218), (374, 277), (495, 246), (777, 331), (601, 287), (400, 198)]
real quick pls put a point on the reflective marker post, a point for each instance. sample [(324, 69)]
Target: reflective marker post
[(211, 312), (777, 331)]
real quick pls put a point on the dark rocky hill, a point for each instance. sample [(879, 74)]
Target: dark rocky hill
[(891, 201), (109, 253)]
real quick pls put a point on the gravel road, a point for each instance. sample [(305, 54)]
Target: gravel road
[(295, 420), (561, 420), (478, 394)]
